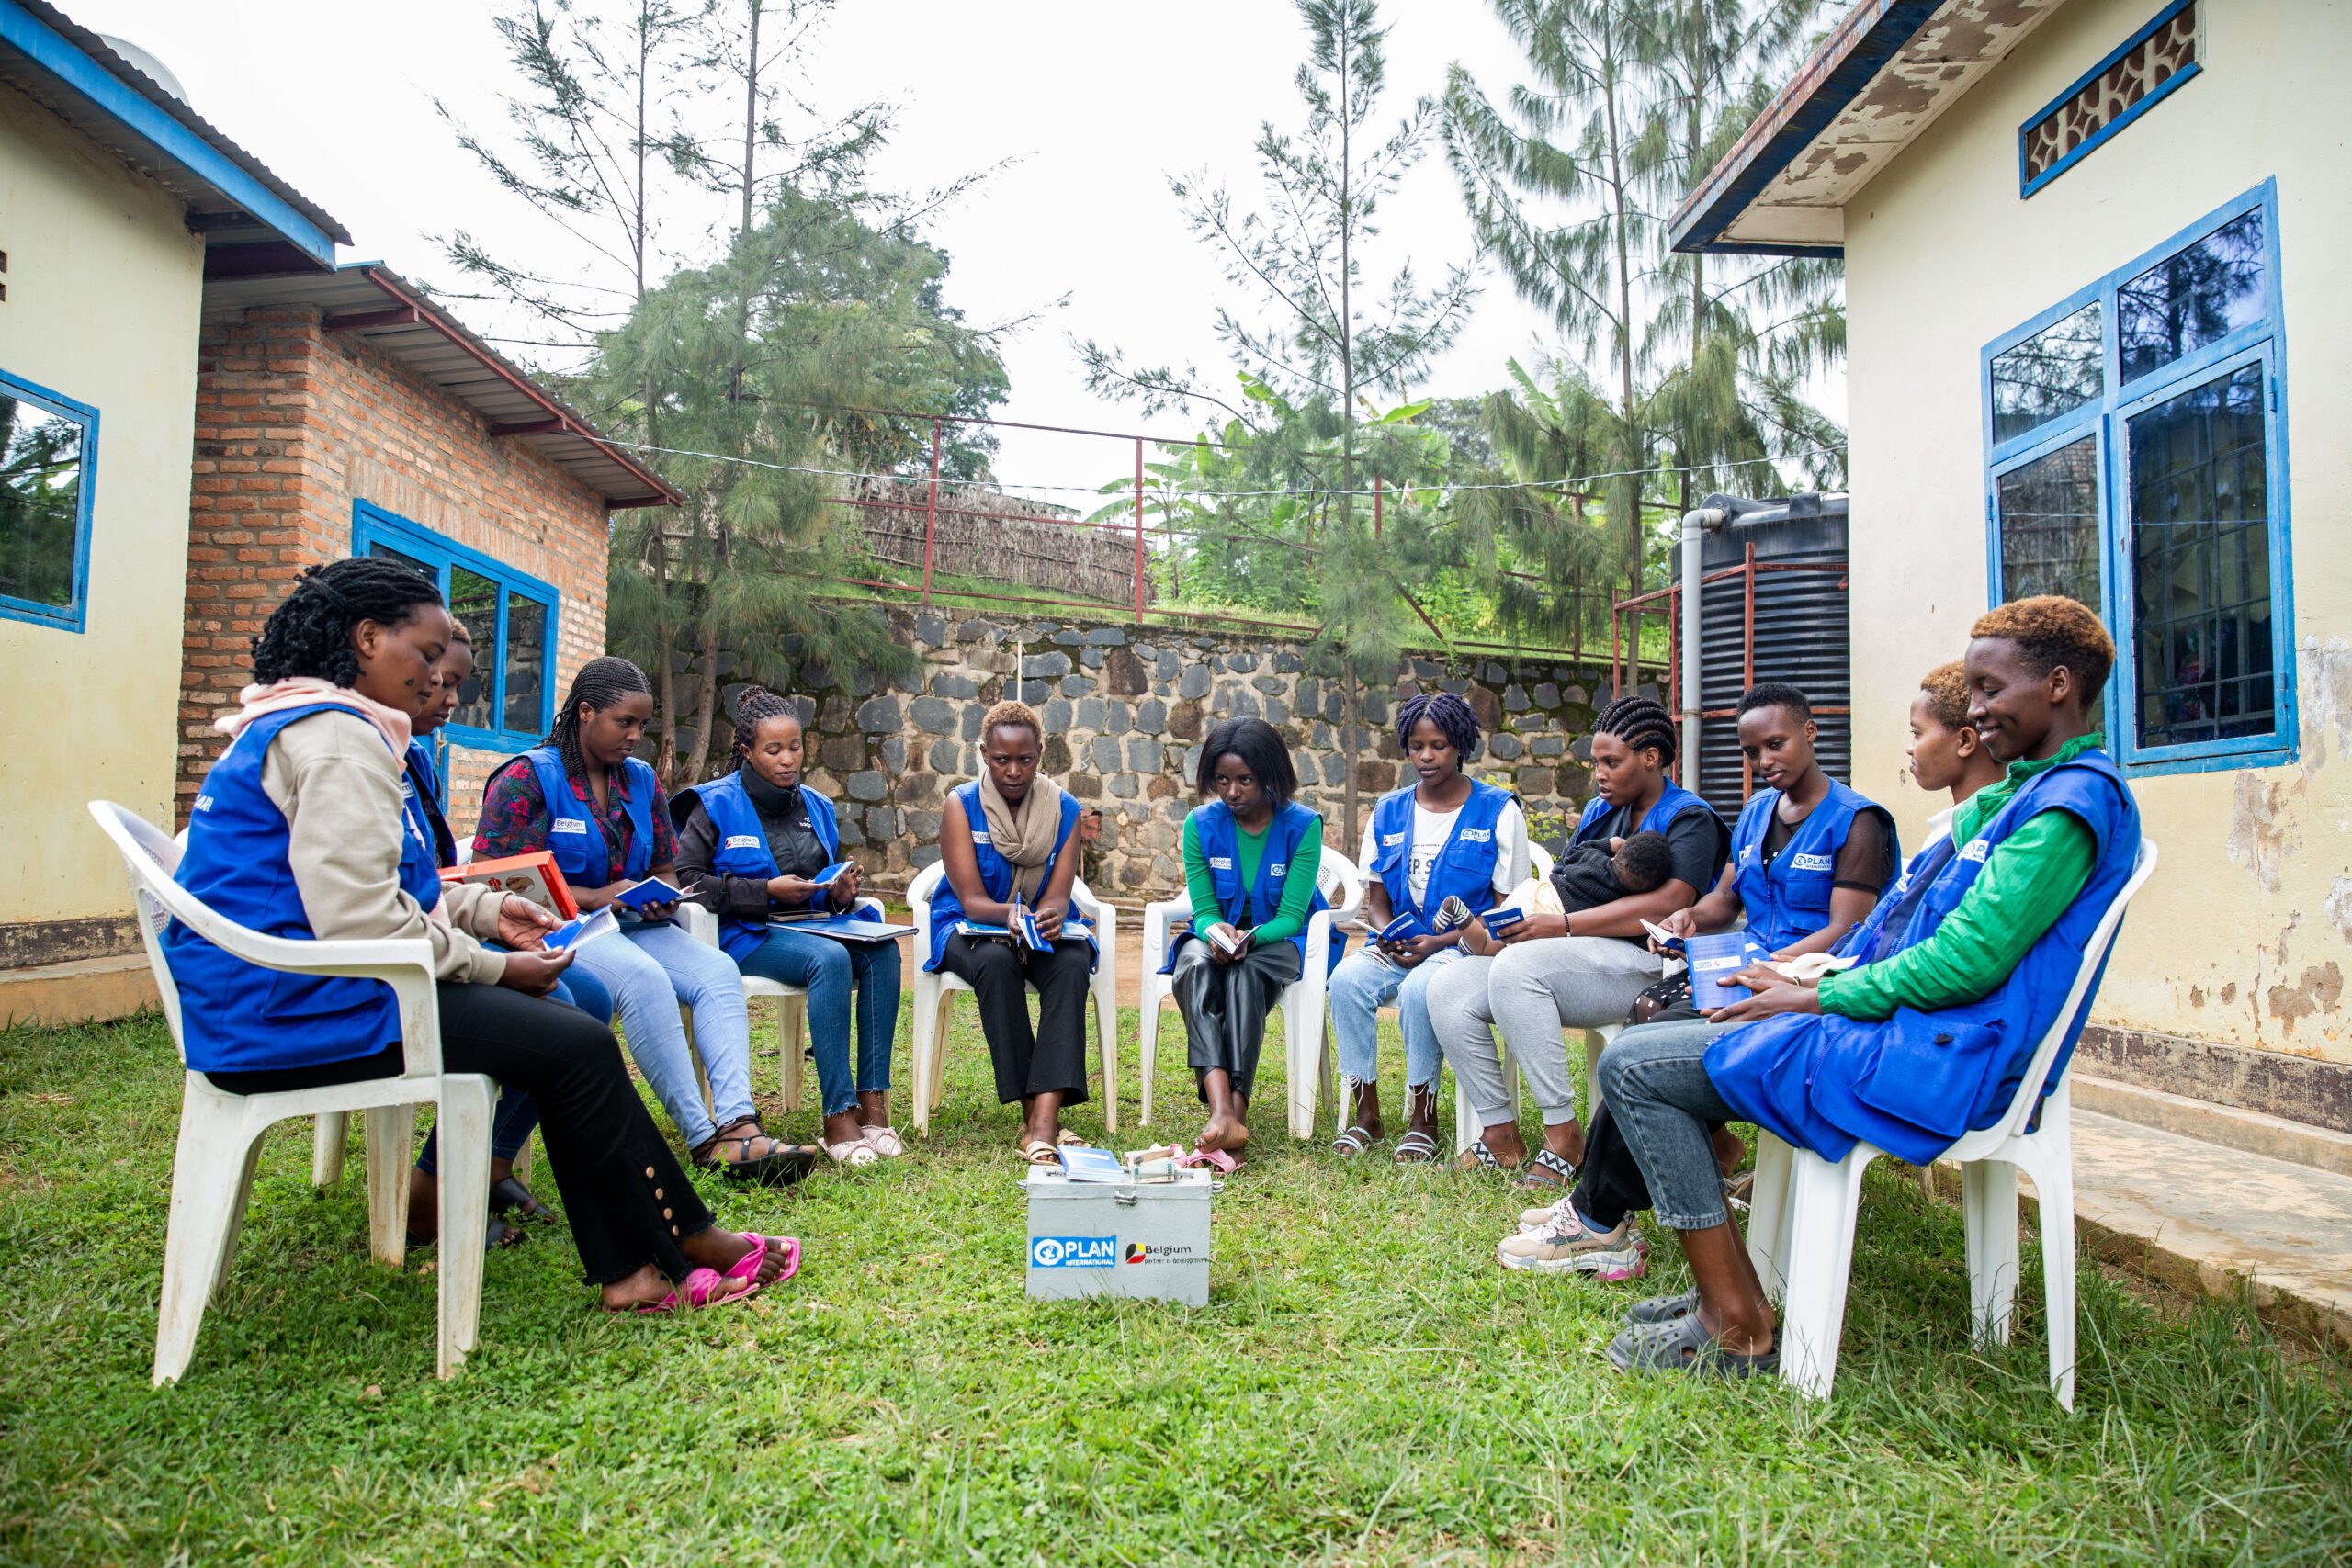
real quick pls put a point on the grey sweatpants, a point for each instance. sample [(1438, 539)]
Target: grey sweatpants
[(1531, 991)]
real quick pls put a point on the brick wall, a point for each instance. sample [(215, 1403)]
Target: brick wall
[(294, 424)]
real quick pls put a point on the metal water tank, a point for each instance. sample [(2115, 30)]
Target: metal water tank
[(1780, 615)]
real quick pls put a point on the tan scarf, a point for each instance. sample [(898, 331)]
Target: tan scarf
[(1025, 837)]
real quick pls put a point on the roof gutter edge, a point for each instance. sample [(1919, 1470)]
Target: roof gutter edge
[(171, 141), (1835, 75)]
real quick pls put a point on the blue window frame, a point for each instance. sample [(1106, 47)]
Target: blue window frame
[(511, 617), (2136, 459), (49, 469)]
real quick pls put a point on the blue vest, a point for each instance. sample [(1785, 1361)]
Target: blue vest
[(1789, 901), (996, 872), (1465, 868), (1914, 1083), (421, 798), (743, 848), (1244, 908), (577, 839), (238, 1017)]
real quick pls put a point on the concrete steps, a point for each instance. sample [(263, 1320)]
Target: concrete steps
[(2210, 1197), (82, 990)]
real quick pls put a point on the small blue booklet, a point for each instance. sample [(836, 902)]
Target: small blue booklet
[(825, 877), (845, 927), (652, 890), (1713, 960), (587, 927), (1499, 921)]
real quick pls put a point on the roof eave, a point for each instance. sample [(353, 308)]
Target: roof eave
[(92, 75), (1830, 79)]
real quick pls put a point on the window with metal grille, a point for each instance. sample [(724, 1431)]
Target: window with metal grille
[(2146, 68), (2135, 464)]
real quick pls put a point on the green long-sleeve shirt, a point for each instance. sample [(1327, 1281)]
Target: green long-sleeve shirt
[(2026, 885), (1298, 892)]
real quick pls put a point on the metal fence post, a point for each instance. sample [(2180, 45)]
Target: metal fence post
[(1139, 529), (931, 515)]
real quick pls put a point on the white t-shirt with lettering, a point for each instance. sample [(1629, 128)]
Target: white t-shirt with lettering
[(1431, 830)]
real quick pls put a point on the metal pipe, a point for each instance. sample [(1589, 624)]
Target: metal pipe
[(1695, 524)]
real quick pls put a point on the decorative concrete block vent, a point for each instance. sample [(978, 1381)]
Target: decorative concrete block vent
[(1125, 709)]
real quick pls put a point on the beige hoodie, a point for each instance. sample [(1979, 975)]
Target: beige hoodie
[(338, 782)]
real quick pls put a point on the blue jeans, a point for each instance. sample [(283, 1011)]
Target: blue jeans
[(1359, 988), (651, 969), (827, 969), (1655, 1087), (517, 1112)]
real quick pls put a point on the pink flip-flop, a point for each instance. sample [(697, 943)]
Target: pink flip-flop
[(700, 1289), (748, 1265), (1218, 1161)]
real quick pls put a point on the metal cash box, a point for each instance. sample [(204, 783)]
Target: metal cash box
[(1147, 1239)]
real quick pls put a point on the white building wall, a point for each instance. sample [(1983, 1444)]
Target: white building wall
[(2246, 933)]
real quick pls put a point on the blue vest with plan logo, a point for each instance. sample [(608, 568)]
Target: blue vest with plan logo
[(421, 797), (743, 848), (237, 1017), (1914, 1083), (1789, 899), (578, 838), (1465, 868), (1244, 908), (996, 872)]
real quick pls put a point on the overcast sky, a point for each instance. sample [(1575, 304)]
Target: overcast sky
[(1097, 102)]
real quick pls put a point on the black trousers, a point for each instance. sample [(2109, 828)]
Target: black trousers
[(1609, 1184), (1050, 1059), (1225, 1007), (624, 1195)]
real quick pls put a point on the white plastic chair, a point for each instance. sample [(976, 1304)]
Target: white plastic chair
[(792, 1001), (1305, 1033), (331, 1131), (934, 988), (220, 1136), (1802, 1220)]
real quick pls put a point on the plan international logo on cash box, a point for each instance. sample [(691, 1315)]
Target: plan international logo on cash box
[(1074, 1252)]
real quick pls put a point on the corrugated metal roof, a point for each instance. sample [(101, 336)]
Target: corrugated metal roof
[(30, 63), (1878, 81), (394, 317)]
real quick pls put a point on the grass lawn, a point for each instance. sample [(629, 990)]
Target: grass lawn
[(1364, 1386)]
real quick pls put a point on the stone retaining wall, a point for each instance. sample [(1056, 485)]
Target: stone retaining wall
[(1126, 708)]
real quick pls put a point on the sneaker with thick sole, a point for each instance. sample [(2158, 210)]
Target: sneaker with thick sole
[(1542, 1217), (1566, 1247)]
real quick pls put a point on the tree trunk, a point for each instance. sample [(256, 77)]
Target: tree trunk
[(1610, 86)]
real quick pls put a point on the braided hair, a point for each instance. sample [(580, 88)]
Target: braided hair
[(309, 632), (752, 709), (599, 684), (1449, 713), (1642, 723)]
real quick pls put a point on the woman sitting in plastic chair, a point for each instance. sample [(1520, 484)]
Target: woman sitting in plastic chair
[(1958, 973), (752, 842), (1251, 863), (300, 833), (1005, 837)]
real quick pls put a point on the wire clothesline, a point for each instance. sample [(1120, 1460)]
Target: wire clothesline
[(1578, 483)]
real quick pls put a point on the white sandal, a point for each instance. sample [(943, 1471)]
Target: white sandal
[(885, 1140), (855, 1152)]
